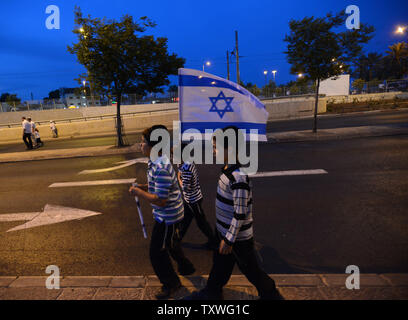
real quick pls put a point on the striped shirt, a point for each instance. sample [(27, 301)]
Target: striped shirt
[(191, 184), (234, 205), (162, 181)]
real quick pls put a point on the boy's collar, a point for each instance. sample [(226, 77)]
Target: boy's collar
[(231, 168)]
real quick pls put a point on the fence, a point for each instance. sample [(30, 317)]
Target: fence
[(379, 86)]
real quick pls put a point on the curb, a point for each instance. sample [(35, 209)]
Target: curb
[(281, 280), (291, 287)]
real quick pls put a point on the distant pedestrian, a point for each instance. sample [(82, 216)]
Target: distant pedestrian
[(193, 198), (164, 195), (27, 133), (33, 126), (38, 141), (54, 129)]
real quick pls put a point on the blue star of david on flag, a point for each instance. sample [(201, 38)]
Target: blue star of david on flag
[(227, 100)]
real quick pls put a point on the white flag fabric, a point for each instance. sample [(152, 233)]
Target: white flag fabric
[(210, 102)]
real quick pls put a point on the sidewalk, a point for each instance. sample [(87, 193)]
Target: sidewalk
[(291, 286), (273, 137)]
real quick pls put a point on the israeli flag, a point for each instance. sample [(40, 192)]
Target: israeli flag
[(210, 102)]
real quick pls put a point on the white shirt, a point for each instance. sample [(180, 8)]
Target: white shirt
[(52, 126), (26, 126), (32, 125)]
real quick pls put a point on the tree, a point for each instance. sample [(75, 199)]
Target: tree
[(358, 84), (120, 59), (317, 50), (54, 94), (3, 97), (268, 88), (13, 99), (399, 52)]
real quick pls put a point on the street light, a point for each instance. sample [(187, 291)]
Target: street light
[(274, 72), (300, 75), (84, 97), (266, 77), (208, 63), (400, 30)]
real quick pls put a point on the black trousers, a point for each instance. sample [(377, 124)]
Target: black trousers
[(195, 210), (165, 242), (27, 140), (243, 253)]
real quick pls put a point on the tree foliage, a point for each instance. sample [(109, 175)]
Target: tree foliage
[(317, 49), (120, 59)]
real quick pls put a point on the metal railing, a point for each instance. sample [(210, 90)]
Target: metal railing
[(91, 118)]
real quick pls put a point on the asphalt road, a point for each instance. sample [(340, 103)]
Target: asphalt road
[(356, 214), (399, 117)]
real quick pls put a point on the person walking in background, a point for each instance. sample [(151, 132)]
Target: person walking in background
[(33, 126), (27, 133), (164, 194), (54, 129), (193, 198), (38, 141)]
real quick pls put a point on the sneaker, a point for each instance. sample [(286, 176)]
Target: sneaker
[(166, 293), (204, 294), (186, 269)]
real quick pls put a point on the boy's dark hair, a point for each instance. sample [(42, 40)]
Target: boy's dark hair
[(23, 118), (148, 132), (238, 137)]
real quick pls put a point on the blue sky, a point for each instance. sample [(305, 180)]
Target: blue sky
[(35, 60)]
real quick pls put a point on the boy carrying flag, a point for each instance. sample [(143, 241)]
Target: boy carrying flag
[(165, 197)]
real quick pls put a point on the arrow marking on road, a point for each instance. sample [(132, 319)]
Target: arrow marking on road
[(124, 164), (52, 214), (288, 173), (91, 183)]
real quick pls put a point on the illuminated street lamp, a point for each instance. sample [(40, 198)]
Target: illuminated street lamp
[(400, 30), (266, 77), (300, 75), (274, 72), (208, 63)]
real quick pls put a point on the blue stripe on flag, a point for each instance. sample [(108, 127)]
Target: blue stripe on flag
[(195, 81), (202, 126)]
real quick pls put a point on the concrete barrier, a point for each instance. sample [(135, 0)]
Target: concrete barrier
[(278, 109)]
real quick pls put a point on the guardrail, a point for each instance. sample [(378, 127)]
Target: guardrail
[(106, 116)]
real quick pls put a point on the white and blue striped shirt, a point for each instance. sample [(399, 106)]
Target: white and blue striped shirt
[(162, 181), (190, 182), (234, 205)]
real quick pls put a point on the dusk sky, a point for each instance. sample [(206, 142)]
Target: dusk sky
[(35, 60)]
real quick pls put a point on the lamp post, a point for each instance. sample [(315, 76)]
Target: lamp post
[(266, 77), (207, 63), (274, 72)]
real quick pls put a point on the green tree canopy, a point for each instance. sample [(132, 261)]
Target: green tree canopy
[(316, 48), (120, 59)]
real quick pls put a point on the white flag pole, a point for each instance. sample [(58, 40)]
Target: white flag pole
[(140, 213)]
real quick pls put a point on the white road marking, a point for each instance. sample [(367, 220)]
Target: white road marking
[(288, 173), (124, 164), (52, 214), (91, 183)]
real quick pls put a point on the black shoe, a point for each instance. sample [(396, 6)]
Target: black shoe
[(273, 296), (204, 294), (186, 269), (166, 293)]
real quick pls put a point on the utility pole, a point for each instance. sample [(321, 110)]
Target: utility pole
[(228, 71), (236, 54)]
